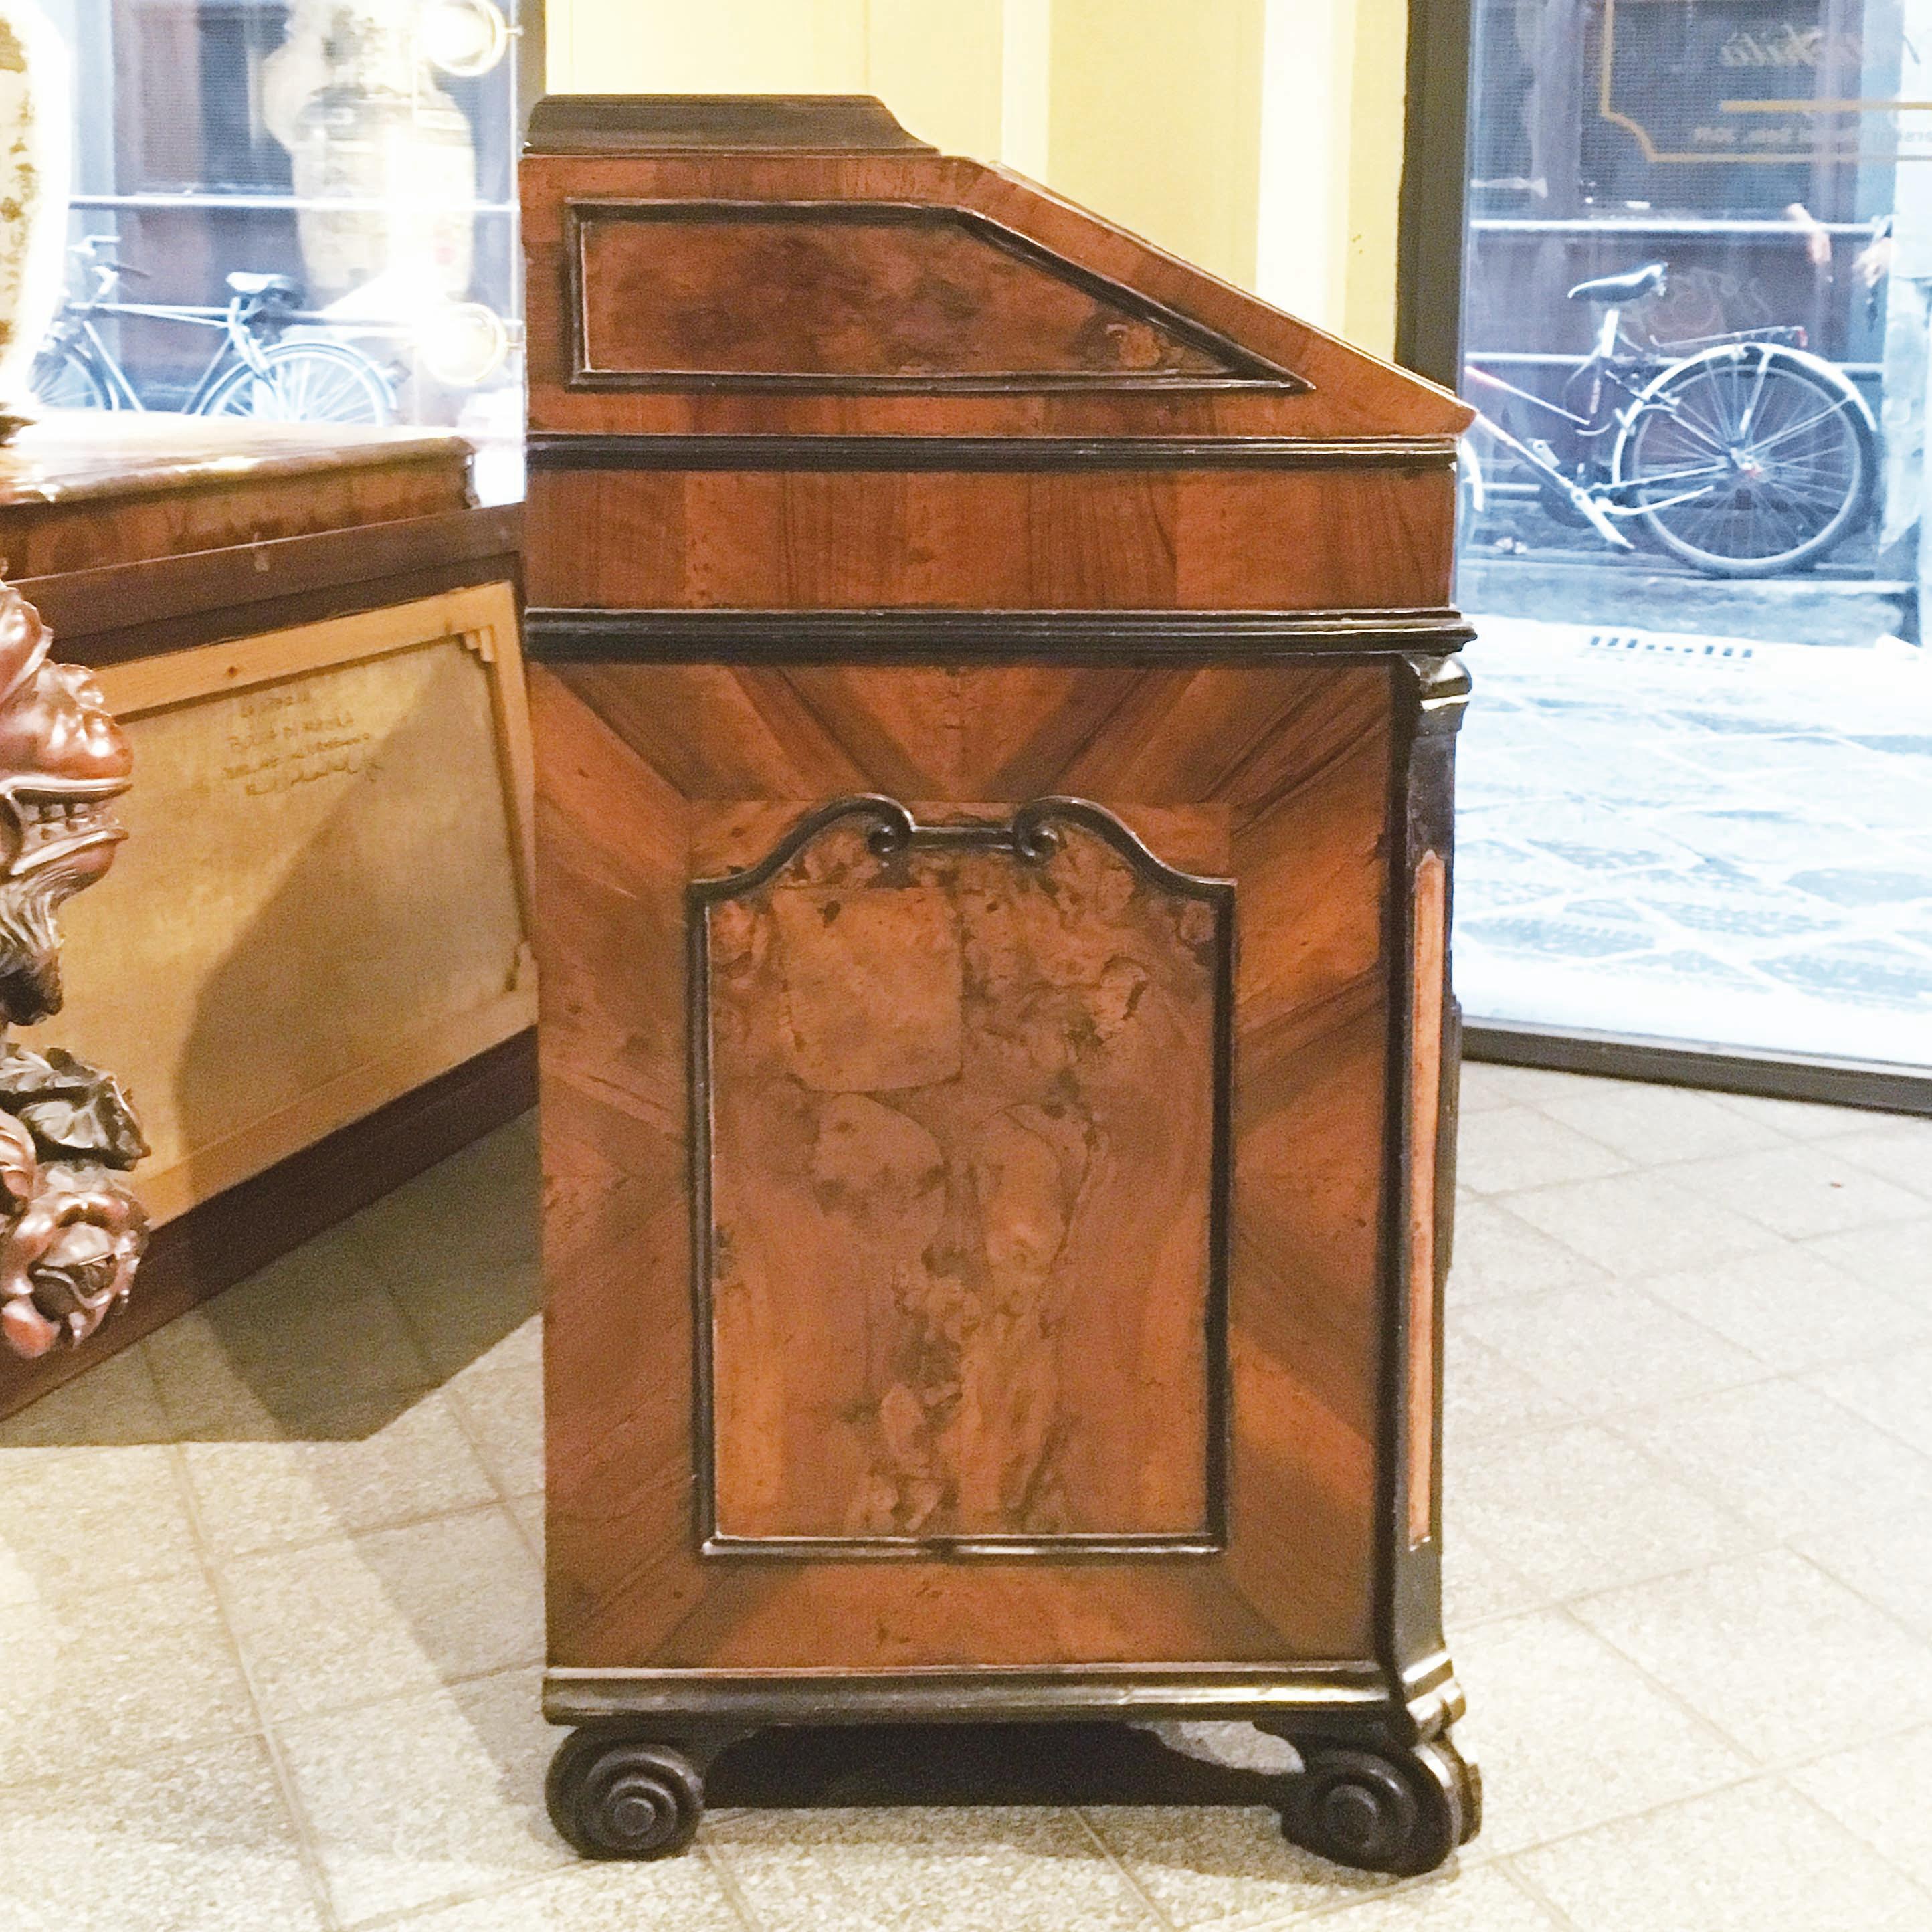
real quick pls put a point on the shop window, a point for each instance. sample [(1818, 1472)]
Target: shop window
[(361, 153), (1697, 305)]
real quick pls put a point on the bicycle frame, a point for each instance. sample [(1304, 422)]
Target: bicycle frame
[(1629, 373), (239, 343)]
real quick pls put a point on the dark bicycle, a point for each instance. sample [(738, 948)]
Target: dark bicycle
[(258, 369), (1744, 454)]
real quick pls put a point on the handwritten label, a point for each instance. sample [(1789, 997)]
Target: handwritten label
[(286, 738)]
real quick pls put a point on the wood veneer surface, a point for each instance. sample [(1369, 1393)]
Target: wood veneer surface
[(1324, 539), (649, 777)]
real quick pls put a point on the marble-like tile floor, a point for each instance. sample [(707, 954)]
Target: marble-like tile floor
[(269, 1592)]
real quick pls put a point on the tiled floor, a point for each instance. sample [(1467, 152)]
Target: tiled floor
[(269, 1587)]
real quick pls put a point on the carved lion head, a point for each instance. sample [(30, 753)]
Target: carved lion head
[(63, 762)]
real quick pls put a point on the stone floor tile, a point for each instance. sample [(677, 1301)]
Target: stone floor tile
[(1483, 1395), (473, 1218), (1880, 1792), (1799, 1191), (311, 1330), (501, 1398), (428, 1799), (1477, 1898), (529, 1512), (339, 1623), (1570, 1734), (1490, 1083), (1649, 1124), (184, 1841), (1881, 1552), (1783, 1455), (1640, 1224), (1225, 1867), (969, 1870), (1497, 1254), (361, 1466), (1508, 1148), (1796, 1119), (115, 1402), (1889, 1389), (680, 1895), (458, 1316), (1896, 1257), (78, 1519), (1578, 1510), (1486, 1086), (100, 1677), (1759, 1858), (1791, 1308), (1899, 1149), (1772, 1651), (1610, 1348), (1477, 1584)]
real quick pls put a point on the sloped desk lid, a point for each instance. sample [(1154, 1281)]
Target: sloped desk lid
[(785, 250)]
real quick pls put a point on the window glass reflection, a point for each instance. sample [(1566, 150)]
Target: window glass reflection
[(298, 209), (1698, 788)]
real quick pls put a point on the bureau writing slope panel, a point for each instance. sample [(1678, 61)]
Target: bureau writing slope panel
[(966, 1282)]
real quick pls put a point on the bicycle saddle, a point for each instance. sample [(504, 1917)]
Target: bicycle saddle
[(1633, 285), (282, 287)]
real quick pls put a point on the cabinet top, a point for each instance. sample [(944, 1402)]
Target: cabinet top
[(640, 123)]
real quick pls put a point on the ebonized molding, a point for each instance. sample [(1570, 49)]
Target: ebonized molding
[(586, 635), (942, 454)]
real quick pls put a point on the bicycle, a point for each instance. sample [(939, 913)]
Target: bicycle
[(255, 370), (1744, 454)]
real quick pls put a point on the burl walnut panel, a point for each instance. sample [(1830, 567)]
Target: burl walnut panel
[(1278, 778), (881, 291), (963, 1166)]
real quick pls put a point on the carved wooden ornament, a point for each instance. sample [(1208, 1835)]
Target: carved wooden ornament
[(71, 1234)]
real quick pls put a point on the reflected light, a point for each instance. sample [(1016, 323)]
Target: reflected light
[(464, 38), (461, 343)]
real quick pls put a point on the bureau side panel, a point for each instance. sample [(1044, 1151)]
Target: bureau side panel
[(1276, 777)]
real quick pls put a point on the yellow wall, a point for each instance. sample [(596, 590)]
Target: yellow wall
[(1259, 138)]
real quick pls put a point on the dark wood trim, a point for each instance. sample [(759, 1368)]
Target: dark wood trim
[(1874, 1084), (1355, 1694), (1022, 454), (1241, 368), (604, 124), (227, 1238), (557, 634), (118, 611), (1435, 177)]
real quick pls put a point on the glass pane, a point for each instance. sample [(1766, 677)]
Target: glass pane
[(1697, 784), (302, 209)]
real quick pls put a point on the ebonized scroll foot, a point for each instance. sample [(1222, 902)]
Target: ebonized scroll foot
[(617, 1797), (1384, 1810)]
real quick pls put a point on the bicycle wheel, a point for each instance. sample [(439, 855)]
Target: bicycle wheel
[(64, 377), (1748, 461), (305, 381)]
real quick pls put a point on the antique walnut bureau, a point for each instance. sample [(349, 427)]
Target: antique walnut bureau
[(994, 701)]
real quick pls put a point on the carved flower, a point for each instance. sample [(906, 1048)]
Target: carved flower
[(67, 1258)]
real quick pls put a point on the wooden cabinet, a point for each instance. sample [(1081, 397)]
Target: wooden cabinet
[(993, 695), (310, 965)]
